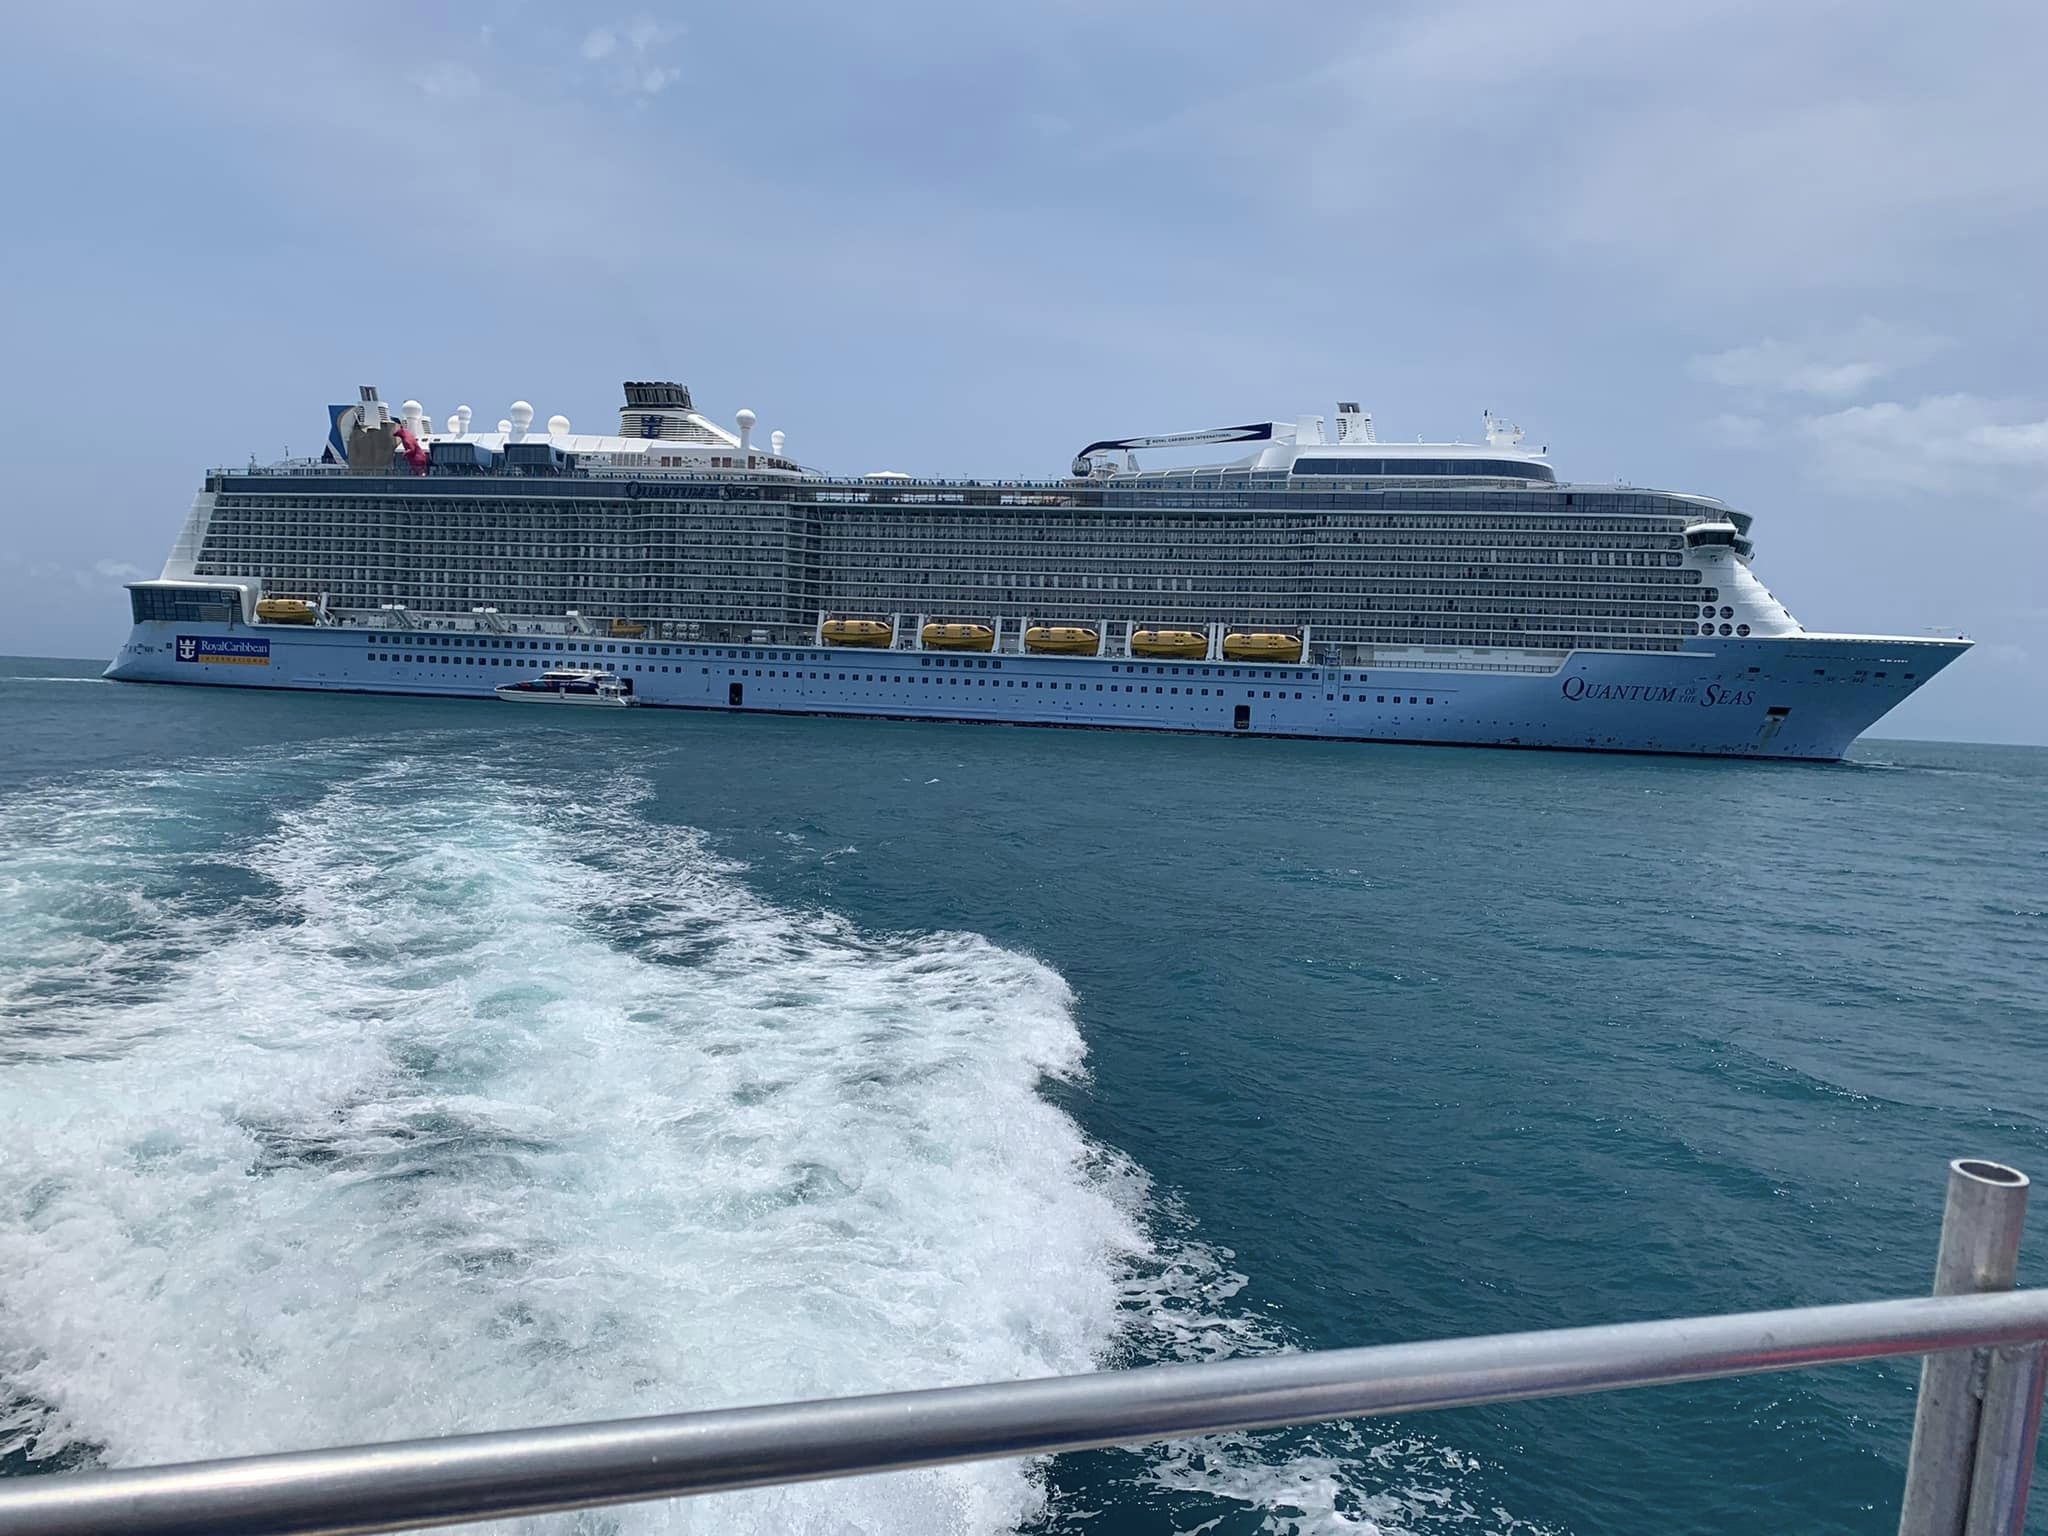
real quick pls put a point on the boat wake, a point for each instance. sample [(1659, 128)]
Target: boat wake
[(387, 1092)]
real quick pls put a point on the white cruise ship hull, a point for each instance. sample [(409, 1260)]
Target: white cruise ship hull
[(1805, 696)]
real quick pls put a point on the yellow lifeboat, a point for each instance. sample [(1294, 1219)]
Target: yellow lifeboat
[(1062, 640), (1261, 645), (1177, 644), (872, 632), (284, 610), (623, 629), (959, 637)]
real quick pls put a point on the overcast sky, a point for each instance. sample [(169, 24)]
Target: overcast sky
[(1787, 254)]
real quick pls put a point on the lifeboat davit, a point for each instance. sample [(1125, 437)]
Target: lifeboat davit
[(856, 632), (284, 610), (959, 637), (1261, 645), (1062, 640), (1177, 644)]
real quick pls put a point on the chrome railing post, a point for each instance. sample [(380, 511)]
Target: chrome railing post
[(1980, 1245), (2006, 1436)]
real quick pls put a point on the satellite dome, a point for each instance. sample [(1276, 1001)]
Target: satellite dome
[(504, 426), (558, 426)]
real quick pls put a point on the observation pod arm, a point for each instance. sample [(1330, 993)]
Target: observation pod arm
[(1251, 432)]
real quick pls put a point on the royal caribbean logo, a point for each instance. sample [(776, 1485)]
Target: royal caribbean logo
[(233, 650)]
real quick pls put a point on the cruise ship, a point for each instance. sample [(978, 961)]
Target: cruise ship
[(1318, 582)]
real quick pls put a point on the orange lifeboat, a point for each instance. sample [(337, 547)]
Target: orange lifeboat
[(867, 632), (1261, 645), (1062, 640), (958, 637), (1172, 644)]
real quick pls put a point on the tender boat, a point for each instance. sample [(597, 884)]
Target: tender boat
[(1261, 645), (571, 685), (856, 632), (1179, 644), (1062, 640), (959, 637)]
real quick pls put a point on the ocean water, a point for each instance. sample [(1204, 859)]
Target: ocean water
[(382, 1067)]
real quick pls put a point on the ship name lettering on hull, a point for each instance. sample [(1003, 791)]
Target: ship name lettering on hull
[(1578, 689)]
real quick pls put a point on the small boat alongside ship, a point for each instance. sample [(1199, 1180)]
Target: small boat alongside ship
[(585, 686)]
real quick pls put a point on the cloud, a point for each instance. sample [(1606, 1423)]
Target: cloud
[(1943, 443), (450, 82), (1829, 368), (631, 53), (1719, 147)]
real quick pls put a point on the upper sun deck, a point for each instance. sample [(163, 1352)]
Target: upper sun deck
[(666, 449)]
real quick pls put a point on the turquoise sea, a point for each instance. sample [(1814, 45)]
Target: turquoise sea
[(381, 1067)]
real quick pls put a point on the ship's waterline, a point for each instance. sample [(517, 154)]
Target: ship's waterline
[(1326, 585)]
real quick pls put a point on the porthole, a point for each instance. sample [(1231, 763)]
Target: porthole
[(1727, 612), (1742, 629), (1727, 629)]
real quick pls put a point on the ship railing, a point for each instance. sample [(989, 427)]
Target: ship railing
[(1968, 1471), (861, 488)]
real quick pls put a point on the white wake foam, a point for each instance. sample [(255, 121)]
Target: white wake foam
[(351, 1096), (528, 1112)]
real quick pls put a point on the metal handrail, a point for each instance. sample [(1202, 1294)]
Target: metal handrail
[(535, 1471)]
